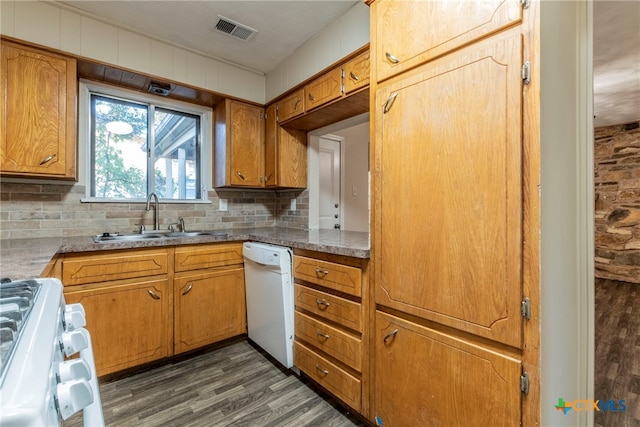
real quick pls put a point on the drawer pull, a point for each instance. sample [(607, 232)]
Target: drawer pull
[(188, 288), (312, 98), (47, 160), (322, 371), (295, 106), (322, 303), (240, 175), (389, 103), (390, 335), (323, 335), (321, 273), (391, 58), (153, 295), (353, 76)]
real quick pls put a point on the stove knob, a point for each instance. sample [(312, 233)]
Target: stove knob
[(74, 317), (75, 369), (73, 396), (74, 341)]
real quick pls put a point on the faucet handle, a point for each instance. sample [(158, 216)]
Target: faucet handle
[(140, 228), (182, 227)]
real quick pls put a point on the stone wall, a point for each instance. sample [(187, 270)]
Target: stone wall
[(617, 202), (55, 210)]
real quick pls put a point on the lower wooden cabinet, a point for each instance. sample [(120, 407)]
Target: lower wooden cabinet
[(129, 322), (209, 306), (427, 378)]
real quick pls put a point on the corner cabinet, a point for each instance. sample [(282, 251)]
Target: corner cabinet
[(239, 144), (38, 112), (449, 249), (285, 154)]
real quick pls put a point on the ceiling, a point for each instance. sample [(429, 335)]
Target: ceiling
[(282, 26)]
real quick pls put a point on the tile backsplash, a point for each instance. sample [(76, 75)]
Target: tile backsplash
[(55, 210)]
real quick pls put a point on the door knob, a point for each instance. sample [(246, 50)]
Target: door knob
[(336, 205)]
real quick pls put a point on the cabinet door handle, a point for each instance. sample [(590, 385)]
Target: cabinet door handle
[(323, 371), (153, 295), (391, 58), (295, 106), (48, 159), (240, 175), (322, 335), (312, 98), (323, 303), (389, 103), (353, 76), (390, 335), (186, 291), (321, 273)]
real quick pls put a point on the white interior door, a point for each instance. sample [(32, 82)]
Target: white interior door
[(329, 177)]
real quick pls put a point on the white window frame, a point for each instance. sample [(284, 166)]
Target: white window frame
[(87, 88)]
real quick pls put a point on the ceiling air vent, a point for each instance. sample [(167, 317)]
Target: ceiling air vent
[(234, 29)]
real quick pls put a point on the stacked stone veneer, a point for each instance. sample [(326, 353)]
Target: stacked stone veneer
[(617, 202), (55, 210)]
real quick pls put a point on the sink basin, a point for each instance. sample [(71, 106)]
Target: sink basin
[(195, 233), (106, 237)]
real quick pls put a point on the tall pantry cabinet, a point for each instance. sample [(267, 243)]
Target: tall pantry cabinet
[(453, 336)]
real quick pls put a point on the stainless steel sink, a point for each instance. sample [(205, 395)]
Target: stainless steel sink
[(195, 233), (110, 237)]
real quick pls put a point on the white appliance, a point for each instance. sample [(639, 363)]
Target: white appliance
[(38, 387), (269, 286)]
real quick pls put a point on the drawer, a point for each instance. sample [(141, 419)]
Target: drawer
[(339, 382), (340, 277), (328, 306), (291, 106), (195, 257), (356, 73), (103, 267), (339, 344)]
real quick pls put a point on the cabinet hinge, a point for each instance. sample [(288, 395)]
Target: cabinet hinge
[(525, 308), (526, 72), (524, 382), (525, 3)]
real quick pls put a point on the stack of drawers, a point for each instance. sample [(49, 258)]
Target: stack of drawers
[(329, 325)]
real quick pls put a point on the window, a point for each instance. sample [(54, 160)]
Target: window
[(139, 146)]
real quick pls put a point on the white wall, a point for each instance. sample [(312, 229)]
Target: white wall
[(48, 25), (342, 37), (566, 198), (355, 164)]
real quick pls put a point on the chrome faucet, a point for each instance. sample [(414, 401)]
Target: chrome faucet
[(156, 221)]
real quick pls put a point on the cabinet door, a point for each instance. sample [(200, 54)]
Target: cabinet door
[(356, 73), (291, 106), (209, 307), (449, 191), (324, 89), (285, 163), (247, 137), (129, 323), (38, 111), (403, 41), (426, 378)]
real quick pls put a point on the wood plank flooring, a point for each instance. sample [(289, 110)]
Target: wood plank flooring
[(617, 351), (236, 385)]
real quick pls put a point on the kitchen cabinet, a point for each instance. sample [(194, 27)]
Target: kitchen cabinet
[(324, 89), (239, 144), (425, 377), (356, 73), (450, 214), (38, 112), (129, 319), (290, 106), (408, 34), (209, 295), (285, 154), (331, 324)]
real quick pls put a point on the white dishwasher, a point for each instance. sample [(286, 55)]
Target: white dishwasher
[(269, 286)]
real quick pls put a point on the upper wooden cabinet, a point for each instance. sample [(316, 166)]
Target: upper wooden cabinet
[(38, 113), (239, 142), (405, 40), (285, 162), (291, 106), (324, 89), (356, 73)]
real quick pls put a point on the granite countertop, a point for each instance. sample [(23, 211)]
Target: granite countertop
[(27, 258)]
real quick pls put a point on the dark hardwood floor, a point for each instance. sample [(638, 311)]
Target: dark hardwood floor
[(236, 385), (617, 351)]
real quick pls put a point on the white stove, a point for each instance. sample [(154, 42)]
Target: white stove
[(38, 386)]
